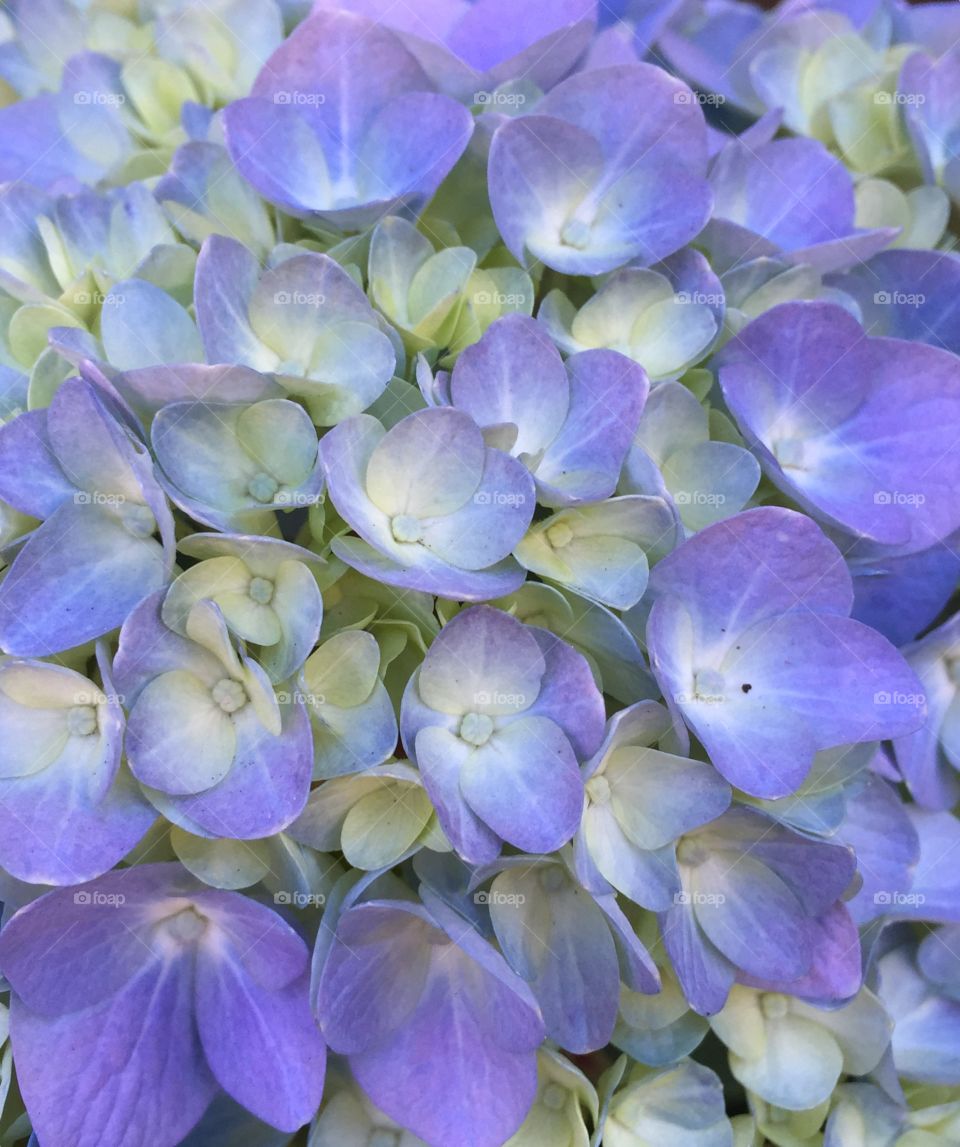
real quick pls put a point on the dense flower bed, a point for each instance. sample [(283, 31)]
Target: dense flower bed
[(479, 493)]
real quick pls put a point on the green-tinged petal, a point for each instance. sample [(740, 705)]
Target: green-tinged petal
[(223, 863), (382, 825), (343, 671)]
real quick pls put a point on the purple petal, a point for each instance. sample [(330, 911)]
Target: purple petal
[(227, 276), (440, 757), (514, 375), (752, 917), (266, 788), (31, 478), (607, 393), (559, 941), (705, 975), (488, 527), (462, 1066), (752, 566), (581, 184), (795, 195), (263, 1046), (908, 295), (76, 818), (111, 570), (432, 575), (374, 975), (483, 660), (796, 381), (159, 1085), (569, 695), (322, 107), (524, 783)]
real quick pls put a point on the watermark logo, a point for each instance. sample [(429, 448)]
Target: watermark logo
[(96, 899), (709, 898), (97, 498), (699, 298), (501, 700), (98, 298), (295, 98), (499, 99), (711, 99), (908, 99), (899, 299), (499, 299), (293, 498), (699, 498), (499, 899), (499, 498), (85, 698), (913, 700), (299, 299), (898, 498), (300, 899), (298, 696), (99, 99), (899, 899), (707, 698)]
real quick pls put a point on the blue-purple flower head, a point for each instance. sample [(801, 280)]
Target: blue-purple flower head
[(478, 568), (323, 134)]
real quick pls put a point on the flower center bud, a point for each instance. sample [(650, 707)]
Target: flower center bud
[(82, 721), (230, 695), (789, 452), (476, 728), (559, 535), (381, 1137), (137, 520), (774, 1006), (261, 590), (708, 685), (598, 790), (406, 528), (185, 926), (691, 852), (263, 487), (554, 1097), (576, 233)]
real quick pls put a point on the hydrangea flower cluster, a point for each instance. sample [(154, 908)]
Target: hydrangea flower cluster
[(479, 542)]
